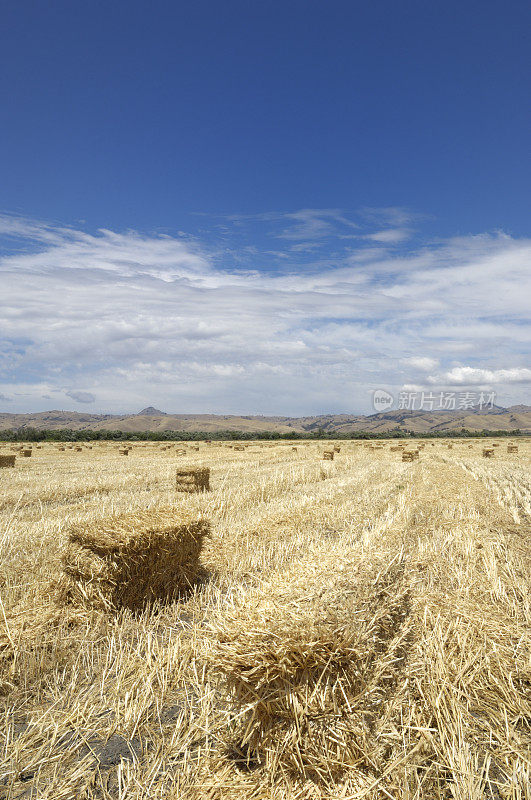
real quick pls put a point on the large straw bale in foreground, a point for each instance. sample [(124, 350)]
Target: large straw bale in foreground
[(7, 460), (132, 560), (310, 667)]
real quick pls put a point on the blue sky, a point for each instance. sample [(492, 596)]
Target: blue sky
[(262, 208)]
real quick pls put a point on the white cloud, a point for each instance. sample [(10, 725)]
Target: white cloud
[(160, 320), (470, 376), (421, 362), (412, 387), (389, 236)]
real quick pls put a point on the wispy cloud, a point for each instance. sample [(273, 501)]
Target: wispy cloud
[(394, 216), (138, 319), (389, 236)]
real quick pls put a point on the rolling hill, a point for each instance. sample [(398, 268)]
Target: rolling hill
[(151, 419)]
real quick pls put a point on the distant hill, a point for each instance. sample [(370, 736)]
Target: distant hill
[(151, 419)]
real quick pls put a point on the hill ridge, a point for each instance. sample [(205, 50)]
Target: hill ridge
[(151, 419)]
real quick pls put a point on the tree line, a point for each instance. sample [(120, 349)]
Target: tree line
[(27, 434)]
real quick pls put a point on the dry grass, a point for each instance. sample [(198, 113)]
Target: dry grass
[(363, 632)]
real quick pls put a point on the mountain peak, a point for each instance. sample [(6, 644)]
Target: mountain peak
[(151, 412)]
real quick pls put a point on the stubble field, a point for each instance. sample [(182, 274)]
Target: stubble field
[(360, 628)]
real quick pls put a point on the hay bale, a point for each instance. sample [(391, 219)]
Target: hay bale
[(512, 448), (7, 461), (488, 452), (294, 450), (310, 665), (180, 452), (123, 451), (410, 455), (193, 479), (78, 449), (26, 453), (337, 448), (328, 455), (133, 560), (239, 447)]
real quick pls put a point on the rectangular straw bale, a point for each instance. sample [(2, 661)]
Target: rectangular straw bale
[(193, 479), (512, 448), (309, 662), (337, 448), (132, 560), (328, 455), (180, 452), (26, 453), (7, 460), (488, 452), (239, 447)]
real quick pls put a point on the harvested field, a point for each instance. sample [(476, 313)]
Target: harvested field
[(361, 628)]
